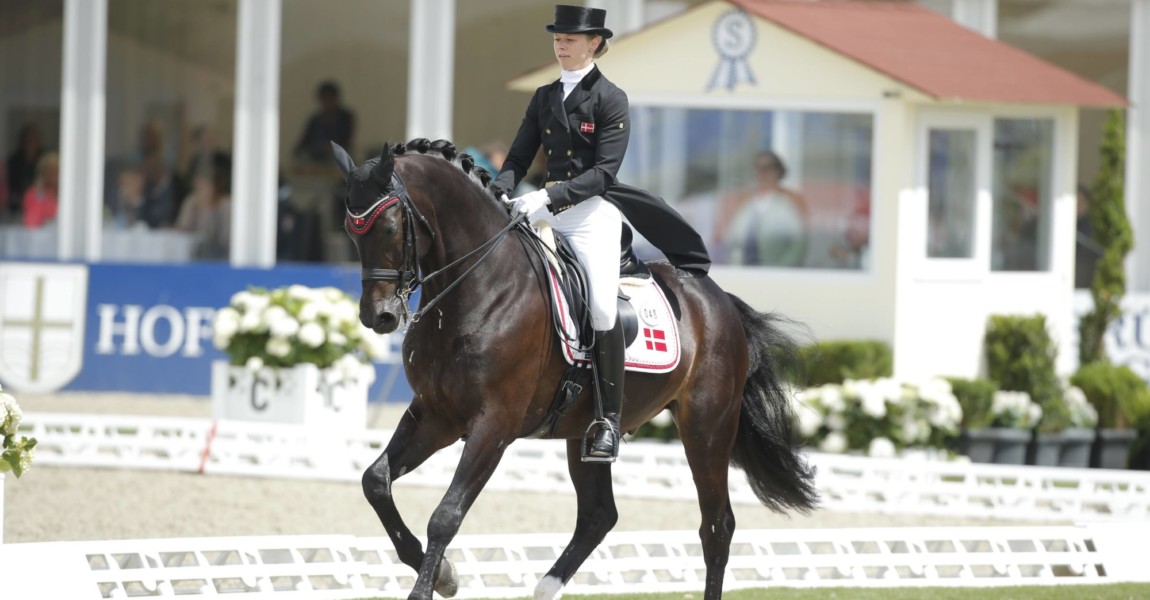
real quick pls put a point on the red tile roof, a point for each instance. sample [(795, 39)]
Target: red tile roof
[(930, 52)]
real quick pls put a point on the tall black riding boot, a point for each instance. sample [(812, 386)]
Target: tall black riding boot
[(609, 361)]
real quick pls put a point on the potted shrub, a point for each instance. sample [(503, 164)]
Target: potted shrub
[(976, 397), (835, 361), (1013, 416), (1137, 406), (1111, 389), (296, 355), (1077, 439)]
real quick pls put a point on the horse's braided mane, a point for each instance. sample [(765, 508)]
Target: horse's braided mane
[(446, 150)]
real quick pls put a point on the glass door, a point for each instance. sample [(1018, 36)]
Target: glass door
[(954, 176)]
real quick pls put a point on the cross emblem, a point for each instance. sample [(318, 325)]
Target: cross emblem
[(38, 324), (587, 128)]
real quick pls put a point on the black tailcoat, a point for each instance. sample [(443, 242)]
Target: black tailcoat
[(585, 138)]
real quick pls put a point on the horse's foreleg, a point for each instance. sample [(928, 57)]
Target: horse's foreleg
[(408, 448), (481, 454), (708, 434), (597, 515)]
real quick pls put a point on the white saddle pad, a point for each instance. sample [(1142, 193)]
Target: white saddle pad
[(655, 348)]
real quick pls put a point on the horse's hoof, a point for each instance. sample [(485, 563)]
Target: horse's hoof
[(447, 583)]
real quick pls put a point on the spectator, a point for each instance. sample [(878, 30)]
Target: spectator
[(127, 198), (22, 164), (207, 212), (767, 224), (201, 145), (159, 200), (41, 199), (331, 123)]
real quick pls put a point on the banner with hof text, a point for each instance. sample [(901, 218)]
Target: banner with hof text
[(139, 328)]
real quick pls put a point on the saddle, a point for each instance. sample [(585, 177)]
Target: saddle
[(657, 353)]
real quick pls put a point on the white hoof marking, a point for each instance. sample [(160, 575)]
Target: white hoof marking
[(548, 589)]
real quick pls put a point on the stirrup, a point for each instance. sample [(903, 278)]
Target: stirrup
[(585, 447)]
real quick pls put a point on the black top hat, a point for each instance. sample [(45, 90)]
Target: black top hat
[(579, 19)]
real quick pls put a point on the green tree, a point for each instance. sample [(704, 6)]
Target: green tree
[(1112, 231)]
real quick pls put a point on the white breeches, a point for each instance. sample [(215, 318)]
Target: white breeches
[(593, 228)]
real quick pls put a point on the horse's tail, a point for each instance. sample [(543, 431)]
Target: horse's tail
[(765, 447)]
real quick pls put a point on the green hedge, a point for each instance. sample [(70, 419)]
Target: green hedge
[(838, 360), (1020, 358), (976, 397), (1119, 395)]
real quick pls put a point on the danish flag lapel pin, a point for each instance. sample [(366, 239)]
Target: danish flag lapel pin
[(587, 128)]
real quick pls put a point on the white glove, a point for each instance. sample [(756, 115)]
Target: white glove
[(529, 203)]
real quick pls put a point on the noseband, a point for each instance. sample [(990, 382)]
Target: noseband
[(407, 275)]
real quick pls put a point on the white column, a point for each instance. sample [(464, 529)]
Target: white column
[(979, 15), (431, 69), (255, 167), (1138, 147), (82, 130)]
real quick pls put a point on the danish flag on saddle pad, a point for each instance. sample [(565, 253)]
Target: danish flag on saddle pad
[(655, 339), (586, 128)]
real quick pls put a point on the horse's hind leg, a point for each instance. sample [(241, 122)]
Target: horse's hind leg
[(409, 447), (597, 515), (708, 429)]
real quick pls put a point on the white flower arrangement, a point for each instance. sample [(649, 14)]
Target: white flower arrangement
[(1082, 412), (16, 452), (1014, 410), (295, 325), (878, 417)]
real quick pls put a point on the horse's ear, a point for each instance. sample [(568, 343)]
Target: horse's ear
[(346, 165), (381, 172)]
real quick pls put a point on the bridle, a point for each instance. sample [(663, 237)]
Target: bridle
[(407, 276)]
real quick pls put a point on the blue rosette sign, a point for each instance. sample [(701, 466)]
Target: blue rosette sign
[(734, 40)]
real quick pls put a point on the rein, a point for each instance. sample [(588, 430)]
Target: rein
[(407, 275)]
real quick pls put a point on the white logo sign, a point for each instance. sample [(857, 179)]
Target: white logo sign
[(41, 325), (734, 38)]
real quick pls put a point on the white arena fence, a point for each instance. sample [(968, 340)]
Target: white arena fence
[(919, 486), (347, 567)]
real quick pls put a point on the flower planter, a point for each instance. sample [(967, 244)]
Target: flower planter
[(1075, 451), (300, 395), (1066, 448), (1111, 448), (1044, 449), (1000, 445)]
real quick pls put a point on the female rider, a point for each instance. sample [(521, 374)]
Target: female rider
[(581, 120)]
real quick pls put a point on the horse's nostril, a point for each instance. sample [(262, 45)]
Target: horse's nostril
[(386, 320)]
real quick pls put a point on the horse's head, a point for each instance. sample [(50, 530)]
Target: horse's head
[(377, 217)]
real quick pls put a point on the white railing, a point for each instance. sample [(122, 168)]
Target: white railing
[(339, 567), (644, 470)]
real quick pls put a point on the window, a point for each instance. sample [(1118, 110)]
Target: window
[(952, 187), (31, 44), (763, 188), (1022, 171), (170, 103)]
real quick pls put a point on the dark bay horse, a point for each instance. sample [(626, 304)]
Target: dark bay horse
[(484, 362)]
